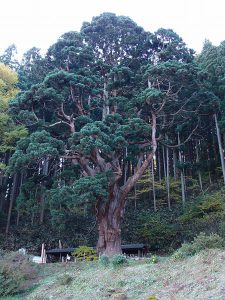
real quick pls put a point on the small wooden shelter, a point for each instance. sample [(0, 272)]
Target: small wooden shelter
[(139, 250), (60, 254)]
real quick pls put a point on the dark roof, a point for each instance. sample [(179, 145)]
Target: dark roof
[(69, 250), (60, 250), (133, 246)]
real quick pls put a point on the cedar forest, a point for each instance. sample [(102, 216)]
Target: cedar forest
[(114, 136)]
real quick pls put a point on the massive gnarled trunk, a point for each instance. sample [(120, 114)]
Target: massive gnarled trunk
[(109, 217), (110, 214), (109, 241)]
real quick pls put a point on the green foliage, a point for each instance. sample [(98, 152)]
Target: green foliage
[(203, 206), (154, 231), (2, 166), (118, 260), (85, 253), (16, 274), (39, 145), (9, 131), (152, 297), (200, 242), (104, 260), (89, 189), (154, 259), (8, 81)]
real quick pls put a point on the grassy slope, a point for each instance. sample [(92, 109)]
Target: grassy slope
[(198, 277)]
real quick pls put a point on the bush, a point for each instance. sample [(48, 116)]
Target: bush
[(104, 260), (153, 297), (16, 274), (154, 259), (200, 242), (85, 253), (203, 241), (185, 250), (118, 260)]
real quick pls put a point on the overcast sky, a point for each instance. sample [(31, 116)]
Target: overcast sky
[(39, 23)]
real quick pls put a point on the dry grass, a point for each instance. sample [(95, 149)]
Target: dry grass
[(198, 277)]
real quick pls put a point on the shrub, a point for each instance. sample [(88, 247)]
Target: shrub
[(184, 251), (104, 260), (85, 253), (118, 260), (200, 242), (16, 274), (153, 297), (203, 241), (154, 259)]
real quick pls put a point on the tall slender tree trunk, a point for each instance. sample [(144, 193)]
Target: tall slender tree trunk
[(168, 178), (153, 185), (42, 208), (159, 166), (164, 161), (42, 199), (174, 164), (208, 164), (12, 198), (182, 176), (18, 217), (199, 172), (125, 166), (135, 196), (220, 147)]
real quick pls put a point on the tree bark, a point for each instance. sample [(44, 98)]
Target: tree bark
[(168, 178), (109, 242), (174, 165), (109, 218), (153, 185), (135, 197), (164, 161), (220, 147), (159, 166), (199, 172), (182, 176), (42, 184)]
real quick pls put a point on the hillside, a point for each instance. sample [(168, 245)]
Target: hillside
[(197, 277)]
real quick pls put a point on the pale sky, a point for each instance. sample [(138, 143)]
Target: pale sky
[(29, 23)]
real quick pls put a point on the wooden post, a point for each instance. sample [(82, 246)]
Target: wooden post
[(139, 254), (43, 254), (60, 247)]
